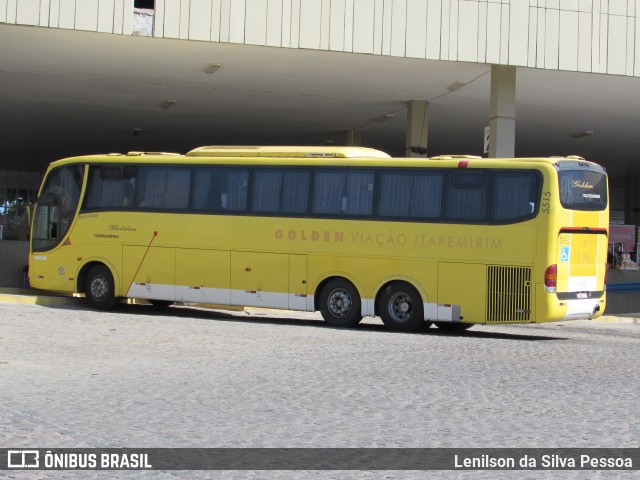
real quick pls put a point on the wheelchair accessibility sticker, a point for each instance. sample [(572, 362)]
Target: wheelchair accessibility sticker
[(564, 254)]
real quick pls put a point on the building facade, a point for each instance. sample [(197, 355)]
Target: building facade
[(592, 36)]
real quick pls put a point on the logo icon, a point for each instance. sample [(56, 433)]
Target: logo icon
[(23, 459), (564, 254)]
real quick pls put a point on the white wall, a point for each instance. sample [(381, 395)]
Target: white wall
[(108, 16), (600, 36)]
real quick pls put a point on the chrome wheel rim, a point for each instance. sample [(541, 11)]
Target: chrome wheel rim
[(99, 287), (339, 302), (400, 307)]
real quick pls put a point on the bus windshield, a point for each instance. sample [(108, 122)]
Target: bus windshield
[(56, 207), (583, 190)]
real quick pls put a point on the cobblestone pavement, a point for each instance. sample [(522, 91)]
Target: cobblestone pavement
[(188, 377)]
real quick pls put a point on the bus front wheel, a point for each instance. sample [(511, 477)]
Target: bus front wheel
[(401, 308), (340, 304), (99, 288)]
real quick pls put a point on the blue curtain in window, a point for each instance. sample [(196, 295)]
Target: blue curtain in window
[(395, 195), (109, 193), (466, 197), (220, 189), (410, 195), (513, 196), (267, 186), (340, 193), (238, 184), (201, 186), (328, 192), (164, 188), (154, 182), (177, 189), (359, 199), (295, 192), (426, 196)]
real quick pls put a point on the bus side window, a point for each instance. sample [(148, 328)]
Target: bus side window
[(328, 190), (206, 194), (295, 192), (217, 189), (127, 195), (163, 188), (217, 196), (466, 196), (107, 189), (343, 193), (514, 195), (344, 203), (266, 192), (238, 191), (359, 198), (408, 194)]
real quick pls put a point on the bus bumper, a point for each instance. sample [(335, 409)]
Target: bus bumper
[(585, 309), (553, 309)]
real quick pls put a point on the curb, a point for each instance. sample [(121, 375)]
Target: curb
[(31, 299), (631, 319)]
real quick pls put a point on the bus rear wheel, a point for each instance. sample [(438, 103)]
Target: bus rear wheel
[(340, 304), (99, 288), (401, 308)]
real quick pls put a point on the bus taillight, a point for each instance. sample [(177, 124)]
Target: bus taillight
[(550, 278)]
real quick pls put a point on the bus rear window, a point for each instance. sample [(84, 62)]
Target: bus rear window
[(583, 190)]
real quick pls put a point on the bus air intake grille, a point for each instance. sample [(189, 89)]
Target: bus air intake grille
[(509, 292)]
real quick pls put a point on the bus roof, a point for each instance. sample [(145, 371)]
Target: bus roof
[(326, 155), (286, 152)]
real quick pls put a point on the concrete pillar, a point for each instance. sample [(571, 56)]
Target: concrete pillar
[(353, 138), (502, 119), (417, 128)]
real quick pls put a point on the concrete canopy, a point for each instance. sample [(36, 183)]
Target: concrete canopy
[(67, 93)]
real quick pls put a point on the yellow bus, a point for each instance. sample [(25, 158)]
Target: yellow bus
[(348, 231)]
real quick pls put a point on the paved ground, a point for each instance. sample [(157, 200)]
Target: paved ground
[(74, 377)]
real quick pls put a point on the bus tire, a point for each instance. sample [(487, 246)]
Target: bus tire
[(401, 308), (340, 304), (99, 288), (453, 327)]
